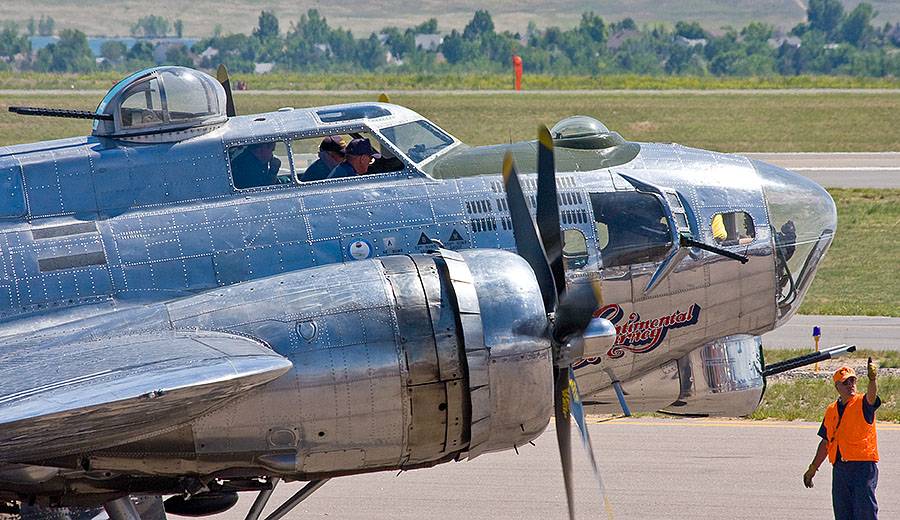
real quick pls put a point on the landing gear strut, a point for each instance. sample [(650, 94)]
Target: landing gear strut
[(283, 509)]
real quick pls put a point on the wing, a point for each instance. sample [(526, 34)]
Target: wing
[(60, 397)]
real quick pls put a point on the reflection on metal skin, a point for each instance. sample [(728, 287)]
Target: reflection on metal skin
[(599, 337), (415, 359), (21, 474), (647, 393), (721, 378)]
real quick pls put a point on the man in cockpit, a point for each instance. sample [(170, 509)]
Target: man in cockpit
[(256, 166), (331, 153), (358, 156)]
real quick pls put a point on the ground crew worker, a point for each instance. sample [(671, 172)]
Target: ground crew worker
[(848, 439)]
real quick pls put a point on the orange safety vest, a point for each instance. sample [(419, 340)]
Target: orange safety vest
[(851, 433)]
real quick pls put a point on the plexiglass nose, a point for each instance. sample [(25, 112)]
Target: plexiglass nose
[(803, 219)]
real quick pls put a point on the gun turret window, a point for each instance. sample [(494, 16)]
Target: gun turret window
[(574, 250), (142, 105), (162, 104)]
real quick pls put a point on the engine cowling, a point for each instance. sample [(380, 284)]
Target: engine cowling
[(399, 361)]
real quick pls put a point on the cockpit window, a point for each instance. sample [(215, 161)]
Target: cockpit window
[(419, 140), (260, 164), (735, 228), (351, 113), (315, 157), (631, 228)]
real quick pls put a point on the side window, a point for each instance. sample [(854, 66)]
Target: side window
[(735, 228), (142, 106), (312, 165), (574, 249), (260, 164), (315, 157), (631, 228)]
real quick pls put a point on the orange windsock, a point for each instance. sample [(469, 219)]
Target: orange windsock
[(517, 67)]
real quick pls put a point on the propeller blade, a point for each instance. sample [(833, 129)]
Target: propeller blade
[(548, 207), (383, 98), (561, 409), (222, 77), (578, 413), (528, 242)]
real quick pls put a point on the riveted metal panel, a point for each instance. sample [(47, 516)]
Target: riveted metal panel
[(12, 192), (114, 177), (458, 413), (428, 428)]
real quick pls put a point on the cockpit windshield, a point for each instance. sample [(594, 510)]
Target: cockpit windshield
[(418, 140)]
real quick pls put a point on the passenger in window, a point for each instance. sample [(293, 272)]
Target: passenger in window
[(331, 153), (358, 155), (256, 166)]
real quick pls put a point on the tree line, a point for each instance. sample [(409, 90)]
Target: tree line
[(831, 41)]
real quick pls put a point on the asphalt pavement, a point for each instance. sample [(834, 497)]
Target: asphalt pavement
[(652, 469), (840, 170), (866, 332)]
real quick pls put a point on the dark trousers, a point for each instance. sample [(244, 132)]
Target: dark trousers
[(853, 490)]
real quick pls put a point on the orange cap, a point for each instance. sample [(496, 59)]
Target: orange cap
[(843, 374)]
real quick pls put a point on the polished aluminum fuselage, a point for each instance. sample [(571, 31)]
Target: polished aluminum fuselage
[(104, 236)]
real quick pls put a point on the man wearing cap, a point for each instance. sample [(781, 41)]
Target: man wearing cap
[(848, 439), (331, 153), (256, 166), (357, 157)]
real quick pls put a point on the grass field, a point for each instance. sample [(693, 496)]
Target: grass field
[(806, 399), (856, 277), (777, 122), (467, 82)]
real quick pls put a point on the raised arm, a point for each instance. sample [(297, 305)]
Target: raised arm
[(872, 390)]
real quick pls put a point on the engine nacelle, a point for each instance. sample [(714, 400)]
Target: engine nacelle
[(398, 362)]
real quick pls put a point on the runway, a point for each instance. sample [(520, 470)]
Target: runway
[(840, 170), (866, 332), (652, 469)]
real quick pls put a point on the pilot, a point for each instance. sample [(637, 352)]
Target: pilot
[(256, 166), (331, 153), (358, 155)]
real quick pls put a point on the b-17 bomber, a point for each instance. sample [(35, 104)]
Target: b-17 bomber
[(176, 320)]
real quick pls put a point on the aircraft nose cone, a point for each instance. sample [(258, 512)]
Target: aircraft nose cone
[(803, 219)]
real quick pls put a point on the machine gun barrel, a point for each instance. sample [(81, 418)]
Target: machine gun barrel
[(808, 359), (58, 112)]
